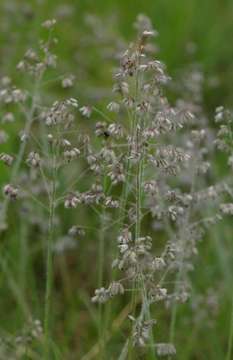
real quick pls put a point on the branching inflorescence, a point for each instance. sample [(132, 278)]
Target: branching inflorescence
[(145, 167)]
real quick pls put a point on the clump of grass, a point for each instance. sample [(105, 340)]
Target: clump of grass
[(140, 175)]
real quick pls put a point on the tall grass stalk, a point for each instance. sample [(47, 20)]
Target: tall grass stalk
[(230, 338), (49, 263), (29, 115), (101, 258), (179, 275)]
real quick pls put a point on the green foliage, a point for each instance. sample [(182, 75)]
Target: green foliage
[(208, 24)]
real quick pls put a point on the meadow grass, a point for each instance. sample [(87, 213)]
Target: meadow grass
[(60, 297)]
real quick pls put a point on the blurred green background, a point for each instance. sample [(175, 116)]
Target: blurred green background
[(208, 24)]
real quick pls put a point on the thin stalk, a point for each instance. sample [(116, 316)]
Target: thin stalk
[(139, 169), (101, 244), (101, 251), (23, 256), (49, 266), (230, 339), (180, 271), (14, 174), (146, 312)]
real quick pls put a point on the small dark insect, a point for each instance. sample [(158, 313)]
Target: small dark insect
[(106, 134)]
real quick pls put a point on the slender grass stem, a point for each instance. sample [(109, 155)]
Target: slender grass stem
[(101, 255), (49, 265), (23, 256), (230, 338), (22, 149), (179, 275)]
